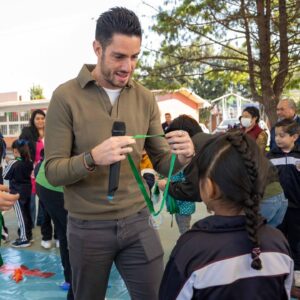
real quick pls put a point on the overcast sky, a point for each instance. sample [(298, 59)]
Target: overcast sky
[(46, 42)]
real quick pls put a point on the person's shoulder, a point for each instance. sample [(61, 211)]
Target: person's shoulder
[(296, 150), (263, 133), (272, 239), (275, 152), (27, 129), (65, 87), (141, 89), (27, 133)]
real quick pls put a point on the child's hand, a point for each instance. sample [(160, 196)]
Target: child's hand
[(162, 184), (6, 200)]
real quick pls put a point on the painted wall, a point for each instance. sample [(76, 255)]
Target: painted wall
[(176, 108)]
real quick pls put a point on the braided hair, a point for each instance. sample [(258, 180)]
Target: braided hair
[(235, 164)]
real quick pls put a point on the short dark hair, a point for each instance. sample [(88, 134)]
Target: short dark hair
[(117, 20), (290, 127), (253, 111), (184, 122), (234, 162), (22, 146)]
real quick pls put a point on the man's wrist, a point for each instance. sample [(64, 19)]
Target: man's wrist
[(191, 156), (88, 161)]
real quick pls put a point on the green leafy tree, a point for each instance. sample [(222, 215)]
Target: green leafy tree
[(253, 45), (36, 92)]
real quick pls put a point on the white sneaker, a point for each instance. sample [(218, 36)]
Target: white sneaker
[(46, 244), (57, 243)]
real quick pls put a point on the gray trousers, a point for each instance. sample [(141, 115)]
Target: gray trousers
[(130, 242)]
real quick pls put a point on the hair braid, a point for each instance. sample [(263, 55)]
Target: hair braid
[(251, 205)]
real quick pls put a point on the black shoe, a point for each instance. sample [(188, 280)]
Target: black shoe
[(18, 243)]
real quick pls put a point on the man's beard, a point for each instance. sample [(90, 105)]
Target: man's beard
[(108, 76)]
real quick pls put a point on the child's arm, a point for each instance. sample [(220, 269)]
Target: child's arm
[(9, 170)]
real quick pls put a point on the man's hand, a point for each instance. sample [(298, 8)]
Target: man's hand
[(181, 144), (6, 200), (112, 150)]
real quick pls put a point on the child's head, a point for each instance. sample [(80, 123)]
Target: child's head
[(21, 149), (286, 133), (186, 123), (232, 179)]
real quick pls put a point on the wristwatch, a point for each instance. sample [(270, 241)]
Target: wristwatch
[(89, 161)]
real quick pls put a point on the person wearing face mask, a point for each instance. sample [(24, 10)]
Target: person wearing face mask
[(249, 122)]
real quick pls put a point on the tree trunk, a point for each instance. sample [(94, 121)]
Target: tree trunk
[(270, 104)]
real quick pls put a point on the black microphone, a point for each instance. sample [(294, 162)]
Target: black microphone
[(118, 129)]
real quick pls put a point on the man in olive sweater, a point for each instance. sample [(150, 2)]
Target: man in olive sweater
[(79, 151)]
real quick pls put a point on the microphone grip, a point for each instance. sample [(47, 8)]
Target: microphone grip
[(114, 172)]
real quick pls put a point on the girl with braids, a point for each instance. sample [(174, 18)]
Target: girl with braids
[(231, 255)]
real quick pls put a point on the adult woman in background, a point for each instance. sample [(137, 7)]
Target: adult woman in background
[(34, 133), (249, 121)]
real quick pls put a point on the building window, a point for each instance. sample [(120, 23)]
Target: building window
[(3, 129), (14, 130), (24, 116), (3, 116), (13, 117)]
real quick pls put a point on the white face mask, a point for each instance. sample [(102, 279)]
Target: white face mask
[(246, 122)]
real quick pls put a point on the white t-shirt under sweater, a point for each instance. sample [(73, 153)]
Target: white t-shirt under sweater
[(112, 94)]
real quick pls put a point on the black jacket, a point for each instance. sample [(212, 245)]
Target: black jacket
[(212, 261), (289, 175), (18, 172)]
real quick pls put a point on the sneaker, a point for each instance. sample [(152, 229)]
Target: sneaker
[(65, 286), (46, 244), (18, 243), (57, 245)]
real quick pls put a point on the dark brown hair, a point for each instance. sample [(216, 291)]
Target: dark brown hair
[(236, 165)]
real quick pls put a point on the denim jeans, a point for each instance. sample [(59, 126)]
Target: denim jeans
[(273, 209)]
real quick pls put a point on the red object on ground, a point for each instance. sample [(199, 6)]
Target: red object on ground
[(23, 270), (17, 275)]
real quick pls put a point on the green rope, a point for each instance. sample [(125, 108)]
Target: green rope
[(173, 208), (136, 173), (143, 136)]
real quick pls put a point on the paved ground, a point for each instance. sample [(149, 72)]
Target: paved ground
[(168, 234), (38, 259)]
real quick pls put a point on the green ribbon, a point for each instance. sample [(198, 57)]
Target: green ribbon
[(173, 207), (143, 136), (1, 218)]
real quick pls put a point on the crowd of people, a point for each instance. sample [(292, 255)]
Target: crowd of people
[(247, 249)]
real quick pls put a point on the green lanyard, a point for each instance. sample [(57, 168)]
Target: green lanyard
[(1, 218), (143, 136), (141, 184)]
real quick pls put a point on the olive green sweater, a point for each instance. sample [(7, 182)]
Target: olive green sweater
[(80, 116)]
